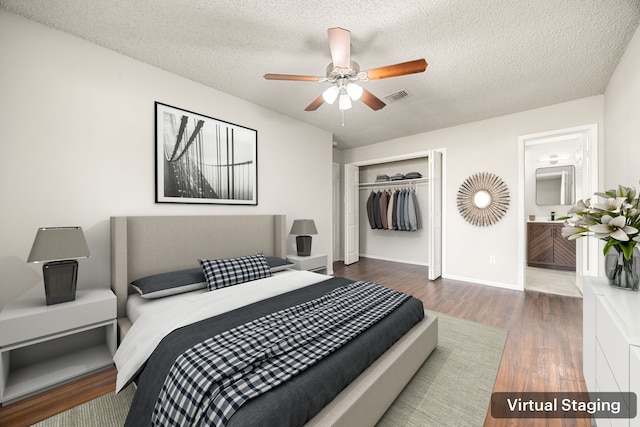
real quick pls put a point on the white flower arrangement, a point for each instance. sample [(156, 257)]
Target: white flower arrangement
[(615, 218)]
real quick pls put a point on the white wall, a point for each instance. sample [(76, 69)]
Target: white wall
[(622, 120), (77, 146), (484, 146)]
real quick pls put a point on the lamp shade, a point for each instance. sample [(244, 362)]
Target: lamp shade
[(354, 91), (58, 243), (303, 227), (344, 102), (330, 94)]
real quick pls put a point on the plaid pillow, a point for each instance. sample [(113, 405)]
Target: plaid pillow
[(221, 273)]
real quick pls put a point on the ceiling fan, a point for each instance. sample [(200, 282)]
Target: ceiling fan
[(343, 72)]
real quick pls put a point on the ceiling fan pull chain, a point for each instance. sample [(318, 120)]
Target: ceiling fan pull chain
[(342, 111)]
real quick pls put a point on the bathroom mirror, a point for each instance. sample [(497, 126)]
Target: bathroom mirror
[(555, 185)]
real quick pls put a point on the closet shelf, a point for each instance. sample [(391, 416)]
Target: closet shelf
[(398, 183)]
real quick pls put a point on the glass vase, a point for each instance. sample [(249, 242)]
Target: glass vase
[(623, 273)]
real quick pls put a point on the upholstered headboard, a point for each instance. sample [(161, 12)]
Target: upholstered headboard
[(145, 245)]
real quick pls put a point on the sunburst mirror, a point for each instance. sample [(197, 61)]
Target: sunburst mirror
[(483, 199)]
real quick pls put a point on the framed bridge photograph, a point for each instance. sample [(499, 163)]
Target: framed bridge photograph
[(200, 159)]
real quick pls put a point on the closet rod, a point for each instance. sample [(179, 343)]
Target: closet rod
[(398, 183)]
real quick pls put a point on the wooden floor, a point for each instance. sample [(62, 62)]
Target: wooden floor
[(543, 351)]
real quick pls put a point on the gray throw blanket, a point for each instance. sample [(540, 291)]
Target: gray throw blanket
[(211, 380)]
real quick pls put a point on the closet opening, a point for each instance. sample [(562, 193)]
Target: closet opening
[(393, 210)]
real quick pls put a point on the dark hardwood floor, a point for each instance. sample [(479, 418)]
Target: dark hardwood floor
[(44, 405), (543, 351)]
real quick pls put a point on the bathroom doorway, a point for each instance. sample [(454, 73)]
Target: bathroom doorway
[(557, 169)]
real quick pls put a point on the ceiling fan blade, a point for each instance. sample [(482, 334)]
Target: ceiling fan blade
[(410, 67), (293, 77), (315, 104), (340, 45), (371, 100)]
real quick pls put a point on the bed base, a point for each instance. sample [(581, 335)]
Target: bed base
[(365, 400)]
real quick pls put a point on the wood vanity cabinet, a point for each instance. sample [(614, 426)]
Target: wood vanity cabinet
[(547, 248)]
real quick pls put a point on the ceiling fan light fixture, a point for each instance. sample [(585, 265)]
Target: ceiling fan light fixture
[(355, 91), (345, 102), (330, 94)]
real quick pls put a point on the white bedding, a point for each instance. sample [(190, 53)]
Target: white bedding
[(159, 318), (136, 305)]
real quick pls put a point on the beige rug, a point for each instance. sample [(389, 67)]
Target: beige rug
[(452, 388)]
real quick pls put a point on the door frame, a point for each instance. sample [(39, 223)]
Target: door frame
[(588, 251), (335, 216)]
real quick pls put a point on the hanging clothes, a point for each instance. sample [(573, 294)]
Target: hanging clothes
[(372, 221), (402, 209), (376, 209), (394, 210), (394, 215), (416, 208), (384, 201), (407, 211), (413, 217), (390, 209)]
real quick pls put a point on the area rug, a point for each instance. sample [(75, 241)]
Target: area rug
[(452, 388)]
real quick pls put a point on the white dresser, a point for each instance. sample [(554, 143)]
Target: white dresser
[(611, 342)]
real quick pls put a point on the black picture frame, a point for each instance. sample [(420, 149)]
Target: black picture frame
[(204, 160)]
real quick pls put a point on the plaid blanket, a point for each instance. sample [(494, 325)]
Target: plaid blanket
[(211, 380)]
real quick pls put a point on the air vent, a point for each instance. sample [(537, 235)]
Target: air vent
[(396, 96)]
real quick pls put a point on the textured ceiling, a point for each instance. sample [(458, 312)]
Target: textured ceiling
[(486, 58)]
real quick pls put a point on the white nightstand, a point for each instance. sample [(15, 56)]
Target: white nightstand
[(42, 346), (313, 262)]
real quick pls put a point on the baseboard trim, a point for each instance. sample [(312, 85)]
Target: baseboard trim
[(483, 282), (403, 261)]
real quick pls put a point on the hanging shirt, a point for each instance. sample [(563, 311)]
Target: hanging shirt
[(417, 210), (376, 210), (407, 224), (390, 210), (411, 211), (384, 200), (394, 211), (401, 209), (372, 221)]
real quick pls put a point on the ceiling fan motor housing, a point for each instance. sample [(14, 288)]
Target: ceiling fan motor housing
[(336, 73)]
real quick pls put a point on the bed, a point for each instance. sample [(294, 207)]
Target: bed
[(147, 245)]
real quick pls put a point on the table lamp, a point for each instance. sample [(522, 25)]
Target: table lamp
[(56, 246), (303, 227)]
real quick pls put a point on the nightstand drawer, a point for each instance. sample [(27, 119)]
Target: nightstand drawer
[(309, 263), (31, 318)]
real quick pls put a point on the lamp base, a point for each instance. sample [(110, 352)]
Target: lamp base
[(303, 244), (60, 278)]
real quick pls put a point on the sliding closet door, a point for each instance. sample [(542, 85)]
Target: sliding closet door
[(435, 215), (351, 209)]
